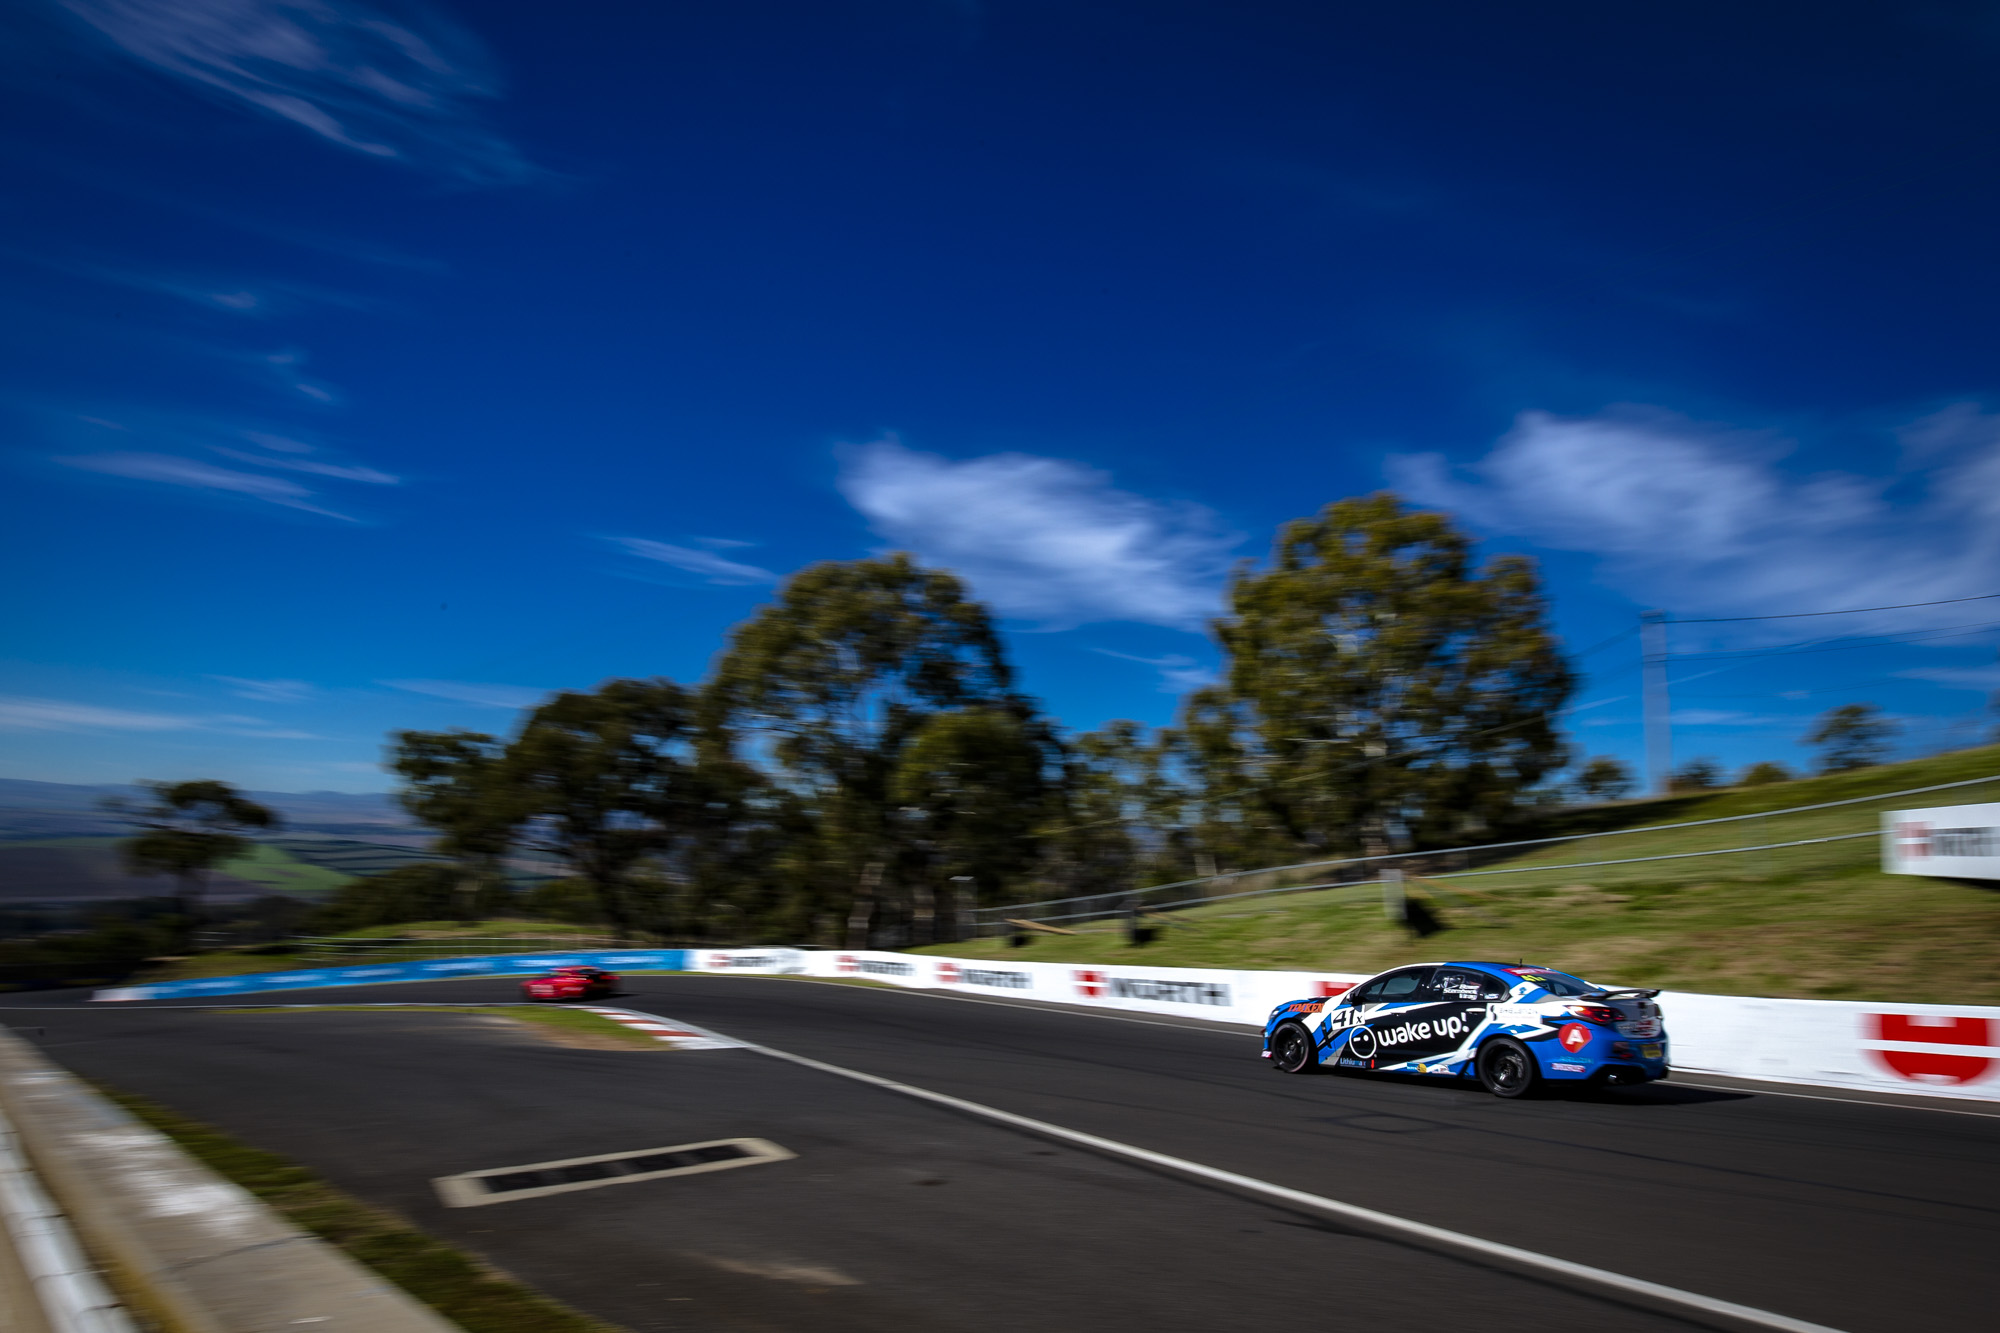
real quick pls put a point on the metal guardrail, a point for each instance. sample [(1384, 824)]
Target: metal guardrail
[(1371, 870)]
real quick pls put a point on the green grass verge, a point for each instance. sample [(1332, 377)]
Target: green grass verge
[(1820, 922), (450, 1281), (568, 1020)]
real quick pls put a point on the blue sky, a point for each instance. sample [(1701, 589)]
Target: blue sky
[(371, 366)]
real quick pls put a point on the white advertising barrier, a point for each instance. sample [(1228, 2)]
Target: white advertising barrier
[(1936, 1049), (1947, 842), (1222, 995)]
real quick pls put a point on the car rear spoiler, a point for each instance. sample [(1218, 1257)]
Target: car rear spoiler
[(1629, 994)]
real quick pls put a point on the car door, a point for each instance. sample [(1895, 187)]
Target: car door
[(1384, 1017), (1459, 1000)]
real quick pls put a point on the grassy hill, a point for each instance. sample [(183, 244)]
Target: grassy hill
[(89, 870), (1819, 922)]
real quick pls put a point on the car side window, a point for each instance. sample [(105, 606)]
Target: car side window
[(1401, 985), (1451, 983)]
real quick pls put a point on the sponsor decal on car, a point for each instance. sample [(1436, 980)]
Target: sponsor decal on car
[(1403, 1034), (1574, 1037), (1565, 1067)]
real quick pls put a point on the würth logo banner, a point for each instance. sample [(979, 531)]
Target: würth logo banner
[(1932, 1048)]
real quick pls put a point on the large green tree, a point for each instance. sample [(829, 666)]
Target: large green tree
[(458, 783), (1382, 687), (967, 792), (611, 779), (1851, 736), (185, 831), (831, 685)]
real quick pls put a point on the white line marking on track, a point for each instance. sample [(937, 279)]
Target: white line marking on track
[(1825, 1097), (1388, 1223), (1247, 1031)]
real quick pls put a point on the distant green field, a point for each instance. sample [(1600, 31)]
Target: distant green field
[(276, 869), (90, 869), (1819, 921), (351, 858)]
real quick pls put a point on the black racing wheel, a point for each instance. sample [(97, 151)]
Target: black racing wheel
[(1507, 1069), (1292, 1050)]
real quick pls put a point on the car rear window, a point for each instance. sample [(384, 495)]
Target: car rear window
[(1555, 983)]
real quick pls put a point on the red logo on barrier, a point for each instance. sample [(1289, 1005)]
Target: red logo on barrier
[(1574, 1037), (846, 963), (947, 974), (1326, 990), (1913, 839), (1934, 1030), (1090, 983)]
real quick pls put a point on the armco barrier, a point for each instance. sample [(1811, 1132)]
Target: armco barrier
[(630, 960), (1937, 1049)]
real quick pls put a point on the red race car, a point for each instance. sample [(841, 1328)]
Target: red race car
[(571, 983)]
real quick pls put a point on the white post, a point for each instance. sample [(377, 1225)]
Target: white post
[(1393, 905), (1659, 724)]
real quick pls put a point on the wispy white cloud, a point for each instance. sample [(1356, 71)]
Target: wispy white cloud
[(472, 692), (1704, 520), (337, 471), (1958, 678), (173, 471), (1723, 717), (1044, 538), (1178, 673), (710, 566), (268, 691), (58, 715), (346, 72)]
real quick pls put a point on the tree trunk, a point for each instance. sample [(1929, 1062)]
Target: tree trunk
[(863, 909)]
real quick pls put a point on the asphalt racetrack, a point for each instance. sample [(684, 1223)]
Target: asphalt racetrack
[(897, 1213)]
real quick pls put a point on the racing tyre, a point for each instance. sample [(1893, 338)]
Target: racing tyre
[(1507, 1069), (1292, 1050)]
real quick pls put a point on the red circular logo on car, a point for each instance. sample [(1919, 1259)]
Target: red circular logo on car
[(1574, 1037)]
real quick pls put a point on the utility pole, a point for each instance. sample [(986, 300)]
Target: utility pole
[(1659, 727)]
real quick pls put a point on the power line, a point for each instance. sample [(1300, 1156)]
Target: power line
[(1850, 611), (1882, 641)]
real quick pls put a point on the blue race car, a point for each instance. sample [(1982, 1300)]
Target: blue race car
[(1517, 1029)]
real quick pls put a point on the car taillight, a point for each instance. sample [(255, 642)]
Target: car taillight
[(1595, 1013)]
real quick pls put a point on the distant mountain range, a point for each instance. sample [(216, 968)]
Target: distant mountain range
[(73, 810)]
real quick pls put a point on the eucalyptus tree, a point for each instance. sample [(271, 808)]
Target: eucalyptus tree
[(1380, 685), (613, 778), (185, 831), (832, 684), (968, 791), (1851, 736), (458, 783)]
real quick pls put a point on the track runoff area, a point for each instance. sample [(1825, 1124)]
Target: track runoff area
[(958, 1164)]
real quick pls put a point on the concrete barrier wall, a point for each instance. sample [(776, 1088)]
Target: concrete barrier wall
[(1937, 1049), (436, 969)]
